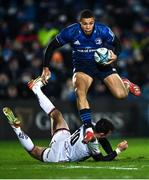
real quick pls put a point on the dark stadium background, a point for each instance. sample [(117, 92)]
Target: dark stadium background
[(27, 26)]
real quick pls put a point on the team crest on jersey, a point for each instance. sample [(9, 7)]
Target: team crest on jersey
[(98, 41), (77, 42)]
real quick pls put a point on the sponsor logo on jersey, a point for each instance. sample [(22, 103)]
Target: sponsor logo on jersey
[(77, 42), (98, 41), (86, 50)]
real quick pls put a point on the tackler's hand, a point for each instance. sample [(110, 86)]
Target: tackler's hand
[(122, 145)]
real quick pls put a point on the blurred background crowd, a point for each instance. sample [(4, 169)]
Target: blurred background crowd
[(27, 26)]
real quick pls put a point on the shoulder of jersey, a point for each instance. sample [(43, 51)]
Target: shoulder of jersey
[(99, 25), (73, 27)]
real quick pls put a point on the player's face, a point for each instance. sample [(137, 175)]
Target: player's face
[(87, 25)]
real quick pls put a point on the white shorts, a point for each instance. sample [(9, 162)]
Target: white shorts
[(57, 150)]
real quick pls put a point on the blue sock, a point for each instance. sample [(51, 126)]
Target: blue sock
[(85, 115)]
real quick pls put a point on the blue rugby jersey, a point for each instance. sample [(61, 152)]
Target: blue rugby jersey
[(84, 46)]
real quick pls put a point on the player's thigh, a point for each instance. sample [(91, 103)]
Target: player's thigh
[(57, 121), (57, 148), (81, 82), (116, 85)]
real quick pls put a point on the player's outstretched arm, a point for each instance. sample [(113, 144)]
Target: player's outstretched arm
[(101, 157), (120, 147), (52, 46), (105, 145)]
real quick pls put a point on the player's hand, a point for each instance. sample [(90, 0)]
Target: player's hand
[(46, 74), (112, 57), (122, 145)]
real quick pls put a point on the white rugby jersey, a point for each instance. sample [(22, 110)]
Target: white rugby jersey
[(67, 147), (76, 150)]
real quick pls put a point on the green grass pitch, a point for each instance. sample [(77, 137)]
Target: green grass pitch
[(15, 163)]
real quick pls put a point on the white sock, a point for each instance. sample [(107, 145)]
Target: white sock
[(44, 102), (23, 138)]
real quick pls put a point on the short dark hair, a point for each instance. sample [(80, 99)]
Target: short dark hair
[(86, 14), (104, 126)]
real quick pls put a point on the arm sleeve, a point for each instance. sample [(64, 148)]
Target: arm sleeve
[(109, 157), (105, 145), (117, 46), (97, 155), (52, 46), (61, 39), (112, 40), (64, 36)]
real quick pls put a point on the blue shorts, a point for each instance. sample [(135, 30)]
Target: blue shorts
[(94, 70)]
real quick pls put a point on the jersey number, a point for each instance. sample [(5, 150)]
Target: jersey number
[(75, 136)]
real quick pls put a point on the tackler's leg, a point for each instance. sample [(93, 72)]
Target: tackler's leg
[(57, 120), (24, 139)]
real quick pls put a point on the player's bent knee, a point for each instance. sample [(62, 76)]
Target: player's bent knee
[(37, 152), (56, 114)]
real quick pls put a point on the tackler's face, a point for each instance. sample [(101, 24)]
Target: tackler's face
[(87, 25)]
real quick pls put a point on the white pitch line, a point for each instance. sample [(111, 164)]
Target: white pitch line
[(85, 167), (101, 167)]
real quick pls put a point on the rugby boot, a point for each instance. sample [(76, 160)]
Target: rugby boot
[(11, 117), (133, 88)]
